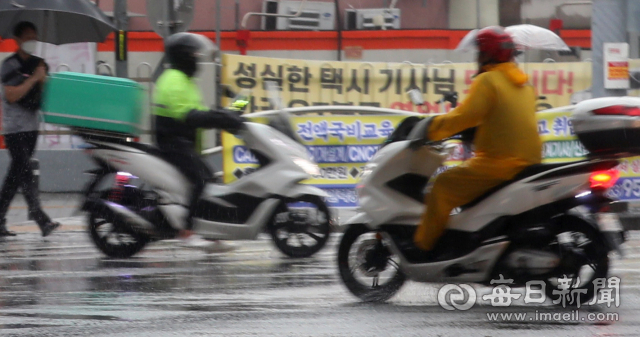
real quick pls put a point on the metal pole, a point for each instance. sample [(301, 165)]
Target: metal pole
[(170, 21), (218, 37), (122, 24), (633, 28), (237, 15), (339, 30), (218, 91), (172, 17), (608, 24), (478, 14)]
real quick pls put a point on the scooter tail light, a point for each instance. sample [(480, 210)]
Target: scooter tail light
[(620, 110), (122, 179), (603, 180)]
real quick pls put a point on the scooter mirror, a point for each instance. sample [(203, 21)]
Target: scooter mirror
[(273, 94), (416, 96)]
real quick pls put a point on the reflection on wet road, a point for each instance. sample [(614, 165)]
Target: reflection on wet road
[(64, 286)]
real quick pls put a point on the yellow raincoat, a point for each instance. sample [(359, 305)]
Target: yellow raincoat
[(502, 107)]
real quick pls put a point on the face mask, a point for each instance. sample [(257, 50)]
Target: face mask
[(191, 69), (29, 47), (187, 64)]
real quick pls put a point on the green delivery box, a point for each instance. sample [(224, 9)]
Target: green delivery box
[(104, 103)]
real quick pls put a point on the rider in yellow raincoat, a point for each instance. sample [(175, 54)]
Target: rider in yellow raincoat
[(502, 106)]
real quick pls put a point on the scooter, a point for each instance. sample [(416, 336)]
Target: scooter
[(532, 227), (136, 196)]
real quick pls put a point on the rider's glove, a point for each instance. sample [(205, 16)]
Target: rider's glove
[(420, 134), (233, 121), (238, 105)]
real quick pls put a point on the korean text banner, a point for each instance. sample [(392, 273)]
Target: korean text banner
[(559, 142), (309, 83), (342, 145)]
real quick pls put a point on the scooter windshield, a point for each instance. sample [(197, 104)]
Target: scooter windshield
[(286, 144), (402, 130), (282, 122)]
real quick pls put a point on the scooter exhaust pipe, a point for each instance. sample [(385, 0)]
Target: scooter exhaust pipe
[(120, 215)]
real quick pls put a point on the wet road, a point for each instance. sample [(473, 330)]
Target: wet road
[(63, 286)]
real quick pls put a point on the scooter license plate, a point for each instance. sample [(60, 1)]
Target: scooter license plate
[(609, 222)]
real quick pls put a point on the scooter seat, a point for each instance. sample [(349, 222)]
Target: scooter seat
[(150, 149), (527, 172), (147, 148)]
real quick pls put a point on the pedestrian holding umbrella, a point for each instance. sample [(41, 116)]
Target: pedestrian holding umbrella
[(23, 74)]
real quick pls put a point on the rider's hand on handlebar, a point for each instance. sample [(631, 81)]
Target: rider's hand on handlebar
[(419, 134), (233, 121), (416, 144)]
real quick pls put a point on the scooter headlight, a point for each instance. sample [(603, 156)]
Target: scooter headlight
[(307, 166)]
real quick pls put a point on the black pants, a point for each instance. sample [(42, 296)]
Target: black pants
[(21, 146), (194, 168)]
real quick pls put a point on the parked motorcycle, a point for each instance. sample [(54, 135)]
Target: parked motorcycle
[(532, 227)]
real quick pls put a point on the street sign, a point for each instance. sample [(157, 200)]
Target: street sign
[(170, 16), (616, 65)]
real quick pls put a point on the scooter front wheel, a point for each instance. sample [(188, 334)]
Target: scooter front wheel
[(367, 267), (301, 227)]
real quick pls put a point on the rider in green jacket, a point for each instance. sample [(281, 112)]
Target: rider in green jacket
[(179, 116)]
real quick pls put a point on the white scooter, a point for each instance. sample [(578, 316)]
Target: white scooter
[(126, 213), (524, 229)]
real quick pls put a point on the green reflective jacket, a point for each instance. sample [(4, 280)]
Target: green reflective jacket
[(175, 95)]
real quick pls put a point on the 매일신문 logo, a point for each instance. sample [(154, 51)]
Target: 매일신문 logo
[(605, 291), (457, 297)]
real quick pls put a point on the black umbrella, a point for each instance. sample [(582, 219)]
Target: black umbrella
[(58, 21)]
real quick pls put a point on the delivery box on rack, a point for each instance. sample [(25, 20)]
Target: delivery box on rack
[(95, 102)]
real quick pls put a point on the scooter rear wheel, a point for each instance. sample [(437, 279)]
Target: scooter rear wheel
[(367, 267), (585, 260), (301, 227), (113, 240)]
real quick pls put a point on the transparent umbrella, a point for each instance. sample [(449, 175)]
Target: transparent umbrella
[(524, 36), (534, 37)]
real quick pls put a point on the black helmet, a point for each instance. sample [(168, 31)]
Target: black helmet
[(185, 50)]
